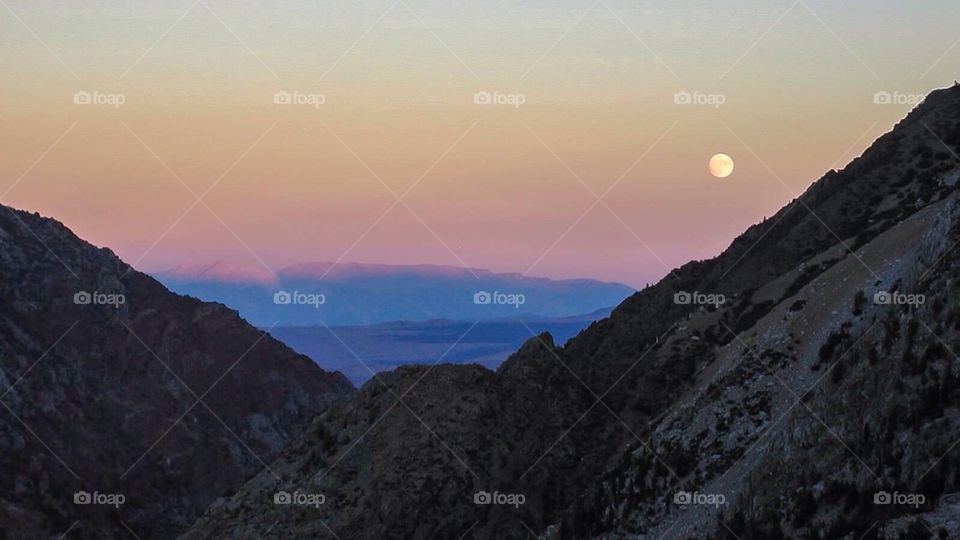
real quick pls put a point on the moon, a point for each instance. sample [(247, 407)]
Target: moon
[(721, 165)]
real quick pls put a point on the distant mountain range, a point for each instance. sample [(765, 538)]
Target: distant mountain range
[(308, 294)]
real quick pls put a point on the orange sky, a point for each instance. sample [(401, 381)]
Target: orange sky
[(509, 188)]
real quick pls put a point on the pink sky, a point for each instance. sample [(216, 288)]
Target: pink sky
[(490, 186)]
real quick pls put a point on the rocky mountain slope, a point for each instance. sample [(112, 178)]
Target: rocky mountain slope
[(818, 400), (664, 401), (127, 409)]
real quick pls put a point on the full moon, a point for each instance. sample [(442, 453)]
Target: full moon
[(721, 165)]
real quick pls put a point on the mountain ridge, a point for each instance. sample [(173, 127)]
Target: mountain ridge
[(587, 432), (353, 294), (114, 385), (224, 270)]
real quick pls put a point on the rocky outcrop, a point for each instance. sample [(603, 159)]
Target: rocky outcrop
[(127, 408)]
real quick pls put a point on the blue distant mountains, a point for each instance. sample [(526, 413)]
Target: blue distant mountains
[(311, 294), (359, 351)]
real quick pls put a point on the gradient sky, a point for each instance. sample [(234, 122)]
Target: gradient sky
[(509, 189)]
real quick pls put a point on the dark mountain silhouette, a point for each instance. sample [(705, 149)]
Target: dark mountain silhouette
[(821, 384), (360, 294), (112, 385)]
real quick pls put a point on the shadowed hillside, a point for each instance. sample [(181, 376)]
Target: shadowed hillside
[(820, 382), (114, 387)]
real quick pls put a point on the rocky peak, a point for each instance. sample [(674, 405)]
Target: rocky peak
[(111, 384)]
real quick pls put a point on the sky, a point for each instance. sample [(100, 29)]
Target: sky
[(560, 139)]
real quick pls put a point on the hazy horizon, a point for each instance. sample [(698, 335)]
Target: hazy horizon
[(265, 271)]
